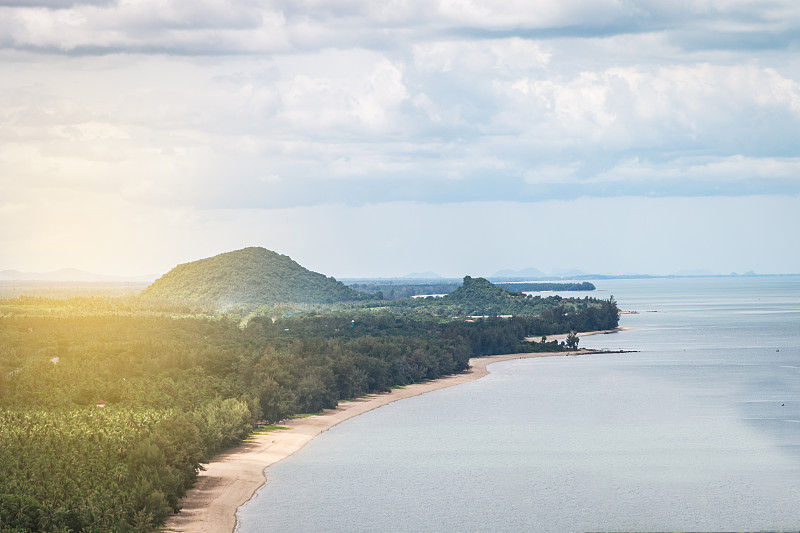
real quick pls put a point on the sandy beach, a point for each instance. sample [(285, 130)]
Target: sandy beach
[(232, 477)]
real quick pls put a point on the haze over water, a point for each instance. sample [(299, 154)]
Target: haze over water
[(698, 430)]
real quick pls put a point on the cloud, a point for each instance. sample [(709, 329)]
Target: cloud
[(213, 27), (698, 107), (55, 4), (160, 107), (207, 27), (449, 121), (345, 98)]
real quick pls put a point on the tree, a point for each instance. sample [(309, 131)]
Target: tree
[(572, 341)]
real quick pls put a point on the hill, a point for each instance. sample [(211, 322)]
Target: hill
[(248, 276), (480, 293)]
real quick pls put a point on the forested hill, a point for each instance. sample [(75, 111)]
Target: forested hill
[(481, 291), (478, 296), (248, 276)]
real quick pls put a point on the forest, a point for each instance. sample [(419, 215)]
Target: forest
[(396, 290), (109, 406)]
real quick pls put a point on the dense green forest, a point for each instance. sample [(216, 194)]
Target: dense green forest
[(398, 290), (541, 286), (477, 296), (108, 406)]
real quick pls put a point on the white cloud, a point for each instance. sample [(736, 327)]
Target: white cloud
[(703, 105), (536, 14), (163, 108), (499, 57), (249, 26), (551, 173), (369, 97), (720, 170), (204, 27)]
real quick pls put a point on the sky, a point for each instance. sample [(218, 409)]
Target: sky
[(377, 139)]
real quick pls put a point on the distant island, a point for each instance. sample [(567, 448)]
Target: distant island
[(109, 405)]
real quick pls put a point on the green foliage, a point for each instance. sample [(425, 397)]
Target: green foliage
[(540, 286), (179, 385), (477, 296), (397, 290), (248, 276), (93, 469), (268, 428), (222, 423), (571, 341)]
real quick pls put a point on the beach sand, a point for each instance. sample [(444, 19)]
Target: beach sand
[(232, 477)]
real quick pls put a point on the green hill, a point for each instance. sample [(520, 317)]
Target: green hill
[(482, 294), (248, 276), (478, 296)]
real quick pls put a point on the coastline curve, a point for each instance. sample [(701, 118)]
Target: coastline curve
[(233, 477)]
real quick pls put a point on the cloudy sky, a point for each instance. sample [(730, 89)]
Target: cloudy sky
[(368, 138)]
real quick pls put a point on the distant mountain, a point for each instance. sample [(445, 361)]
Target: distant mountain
[(67, 274), (248, 276), (423, 275), (568, 273), (524, 273)]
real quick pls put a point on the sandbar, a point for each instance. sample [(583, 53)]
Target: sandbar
[(563, 336), (232, 478)]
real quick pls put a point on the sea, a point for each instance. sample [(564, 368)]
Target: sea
[(696, 427)]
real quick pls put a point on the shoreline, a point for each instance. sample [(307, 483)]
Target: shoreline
[(233, 477), (563, 336)]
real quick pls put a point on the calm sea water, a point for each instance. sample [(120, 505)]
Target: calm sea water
[(698, 430)]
